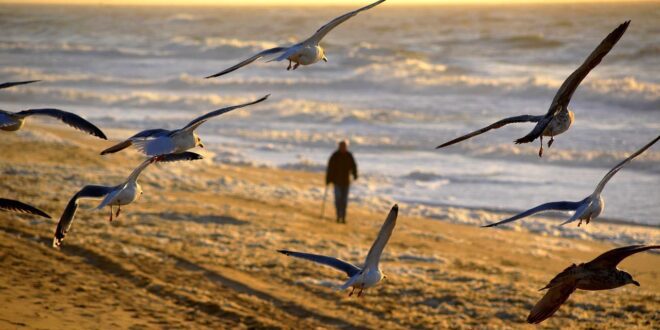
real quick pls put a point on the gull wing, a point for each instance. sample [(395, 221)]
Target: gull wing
[(6, 119), (498, 124), (619, 166), (200, 120), (16, 83), (68, 118), (335, 263), (383, 236), (189, 156), (19, 207), (150, 133), (565, 92), (69, 213), (259, 55), (556, 206), (155, 147), (612, 258), (320, 33), (550, 302)]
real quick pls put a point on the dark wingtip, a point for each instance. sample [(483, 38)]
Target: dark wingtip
[(489, 225), (395, 208), (285, 252)]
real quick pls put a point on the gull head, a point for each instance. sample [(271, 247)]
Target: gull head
[(628, 279)]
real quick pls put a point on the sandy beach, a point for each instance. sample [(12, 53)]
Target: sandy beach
[(199, 251)]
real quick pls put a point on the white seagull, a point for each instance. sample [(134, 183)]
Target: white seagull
[(122, 194), (559, 118), (359, 278), (303, 53), (13, 121), (11, 205), (587, 209), (154, 142)]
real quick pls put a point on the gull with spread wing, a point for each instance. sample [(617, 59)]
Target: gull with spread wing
[(559, 118), (304, 53), (11, 205), (587, 209), (360, 278), (598, 274), (122, 194), (13, 121), (154, 142)]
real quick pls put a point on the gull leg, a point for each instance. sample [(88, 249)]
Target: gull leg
[(541, 149), (361, 289), (288, 67), (110, 213), (118, 211), (296, 66), (552, 139), (580, 222), (351, 293)]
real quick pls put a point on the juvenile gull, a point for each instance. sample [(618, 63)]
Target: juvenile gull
[(586, 209), (559, 118), (303, 53), (122, 194), (154, 142), (19, 207), (598, 274), (359, 278)]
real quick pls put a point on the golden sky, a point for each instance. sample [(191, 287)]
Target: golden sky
[(292, 2)]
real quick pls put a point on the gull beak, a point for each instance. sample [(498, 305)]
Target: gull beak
[(201, 145), (635, 283), (325, 59)]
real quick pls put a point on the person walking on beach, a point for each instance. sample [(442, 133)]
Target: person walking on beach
[(340, 166)]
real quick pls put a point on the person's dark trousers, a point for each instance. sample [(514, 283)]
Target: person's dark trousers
[(341, 202)]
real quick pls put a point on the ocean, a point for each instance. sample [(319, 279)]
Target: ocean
[(399, 81)]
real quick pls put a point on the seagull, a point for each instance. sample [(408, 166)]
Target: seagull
[(122, 194), (367, 276), (559, 118), (598, 274), (586, 209), (154, 142), (303, 53), (18, 207), (13, 121), (16, 83)]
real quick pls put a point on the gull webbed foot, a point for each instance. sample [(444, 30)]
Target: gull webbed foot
[(552, 139), (351, 293), (288, 67), (541, 149), (110, 214), (296, 66)]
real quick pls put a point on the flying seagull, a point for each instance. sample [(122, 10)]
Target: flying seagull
[(559, 118), (598, 274), (586, 209), (16, 83), (360, 278), (18, 207), (13, 121), (303, 53), (122, 194), (154, 142)]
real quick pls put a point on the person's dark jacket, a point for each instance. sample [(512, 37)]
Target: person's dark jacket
[(340, 166)]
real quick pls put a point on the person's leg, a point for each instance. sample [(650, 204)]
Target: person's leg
[(337, 201), (344, 203)]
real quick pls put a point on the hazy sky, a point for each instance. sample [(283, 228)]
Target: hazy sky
[(289, 2)]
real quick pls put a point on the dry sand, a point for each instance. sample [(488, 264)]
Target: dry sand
[(198, 251)]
